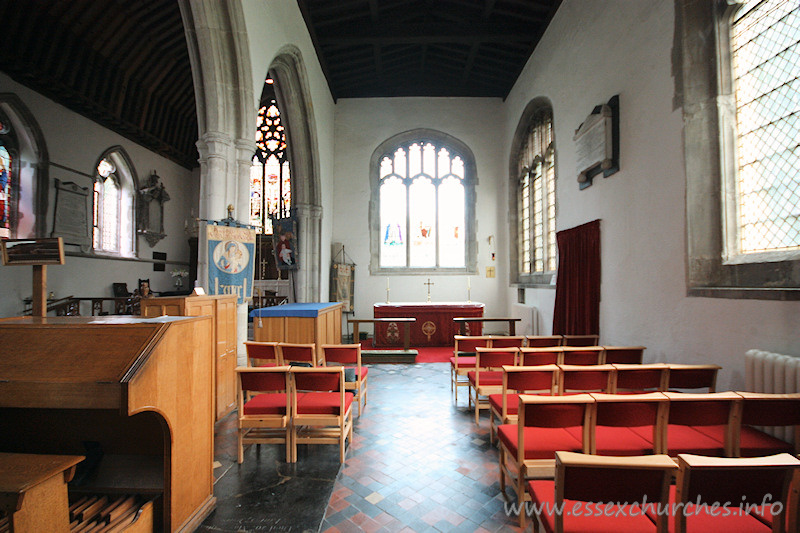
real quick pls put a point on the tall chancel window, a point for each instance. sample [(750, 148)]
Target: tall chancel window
[(536, 196), (424, 201), (8, 179), (112, 216), (765, 58), (270, 179)]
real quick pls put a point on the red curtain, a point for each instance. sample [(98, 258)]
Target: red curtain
[(577, 307)]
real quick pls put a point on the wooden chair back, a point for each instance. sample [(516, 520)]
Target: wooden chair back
[(583, 355), (641, 378), (469, 344), (507, 341), (710, 415), (768, 410), (645, 412), (543, 341), (344, 354), (298, 353), (626, 355), (264, 407), (580, 340), (263, 353), (586, 378), (540, 356), (555, 412), (693, 377)]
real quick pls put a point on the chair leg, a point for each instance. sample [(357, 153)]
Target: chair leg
[(288, 439), (241, 450), (501, 460)]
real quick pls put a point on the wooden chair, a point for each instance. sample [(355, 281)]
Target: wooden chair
[(263, 400), (463, 360), (321, 410), (263, 353), (507, 341), (298, 353), (349, 356), (624, 479), (528, 448), (628, 424), (743, 482), (771, 410), (543, 341), (541, 356), (580, 340), (487, 378), (638, 379), (586, 378), (518, 380), (694, 378), (627, 355), (581, 355), (700, 423)]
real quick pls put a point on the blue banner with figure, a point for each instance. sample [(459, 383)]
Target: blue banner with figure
[(231, 261)]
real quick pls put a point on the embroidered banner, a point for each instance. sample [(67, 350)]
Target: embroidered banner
[(284, 236), (231, 261)]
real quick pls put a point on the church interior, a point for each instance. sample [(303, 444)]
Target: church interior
[(617, 168)]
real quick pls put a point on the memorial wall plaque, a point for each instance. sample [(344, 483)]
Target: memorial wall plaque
[(71, 220)]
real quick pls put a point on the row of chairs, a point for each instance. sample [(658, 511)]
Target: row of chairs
[(636, 494), (558, 380), (261, 354), (713, 424), (293, 405), (466, 348)]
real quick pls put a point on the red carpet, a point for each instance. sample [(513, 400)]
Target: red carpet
[(426, 354)]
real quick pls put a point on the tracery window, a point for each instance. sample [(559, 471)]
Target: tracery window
[(422, 197), (112, 214), (536, 197), (765, 54), (270, 177), (8, 179)]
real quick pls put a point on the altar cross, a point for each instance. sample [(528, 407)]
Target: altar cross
[(429, 283)]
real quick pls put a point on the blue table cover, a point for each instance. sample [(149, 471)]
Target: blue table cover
[(302, 309)]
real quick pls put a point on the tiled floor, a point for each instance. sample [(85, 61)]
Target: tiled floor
[(416, 463)]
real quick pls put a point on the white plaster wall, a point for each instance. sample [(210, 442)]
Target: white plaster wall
[(76, 142), (361, 125), (590, 52), (272, 26)]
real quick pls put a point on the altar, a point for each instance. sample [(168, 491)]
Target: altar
[(434, 325)]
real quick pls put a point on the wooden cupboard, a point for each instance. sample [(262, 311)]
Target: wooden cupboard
[(133, 395), (222, 310)]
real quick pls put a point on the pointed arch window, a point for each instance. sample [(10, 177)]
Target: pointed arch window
[(536, 198), (270, 176), (9, 182), (424, 199), (112, 214)]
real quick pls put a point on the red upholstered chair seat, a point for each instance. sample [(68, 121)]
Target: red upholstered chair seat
[(689, 439), (488, 378), (540, 443), (322, 403), (623, 440), (610, 518), (756, 443), (266, 404)]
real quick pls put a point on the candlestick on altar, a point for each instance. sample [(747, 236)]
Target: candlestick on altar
[(387, 290), (469, 291), (429, 289)]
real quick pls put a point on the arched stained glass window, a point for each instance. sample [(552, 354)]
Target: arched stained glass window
[(422, 193), (270, 177), (8, 179), (112, 214)]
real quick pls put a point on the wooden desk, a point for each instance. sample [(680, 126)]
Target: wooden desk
[(33, 491), (406, 322), (463, 321), (139, 388), (320, 323)]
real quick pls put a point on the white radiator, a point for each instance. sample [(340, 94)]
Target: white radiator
[(773, 373), (529, 315)]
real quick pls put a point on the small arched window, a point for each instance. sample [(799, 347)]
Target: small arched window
[(112, 217), (425, 199)]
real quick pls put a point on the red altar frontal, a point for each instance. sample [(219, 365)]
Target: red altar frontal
[(434, 325)]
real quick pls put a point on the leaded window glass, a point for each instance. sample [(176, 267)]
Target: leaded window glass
[(270, 178), (537, 197), (6, 191), (106, 215), (766, 66), (422, 199)]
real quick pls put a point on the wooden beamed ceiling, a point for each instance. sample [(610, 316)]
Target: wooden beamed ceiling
[(122, 64), (383, 48)]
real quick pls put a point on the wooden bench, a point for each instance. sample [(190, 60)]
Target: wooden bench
[(463, 321), (404, 320)]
